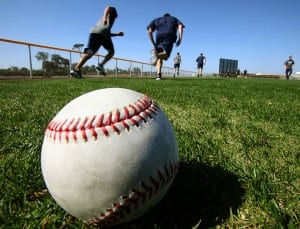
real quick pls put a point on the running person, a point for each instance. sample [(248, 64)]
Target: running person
[(166, 28), (177, 62), (201, 60), (289, 67), (100, 35)]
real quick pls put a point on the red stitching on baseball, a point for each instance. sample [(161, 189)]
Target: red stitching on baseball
[(137, 197), (105, 124)]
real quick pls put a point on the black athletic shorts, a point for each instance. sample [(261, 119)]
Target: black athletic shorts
[(96, 41)]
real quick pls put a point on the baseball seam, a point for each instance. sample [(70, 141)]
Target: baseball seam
[(103, 124), (137, 197)]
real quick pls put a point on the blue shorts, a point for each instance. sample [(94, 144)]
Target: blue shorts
[(164, 42), (96, 41), (177, 65), (200, 65), (289, 71)]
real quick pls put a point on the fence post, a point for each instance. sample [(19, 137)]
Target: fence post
[(70, 63), (30, 62), (116, 67), (98, 73), (130, 69), (142, 70)]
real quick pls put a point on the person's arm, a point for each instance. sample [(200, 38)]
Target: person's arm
[(105, 15), (117, 34), (180, 34), (150, 34)]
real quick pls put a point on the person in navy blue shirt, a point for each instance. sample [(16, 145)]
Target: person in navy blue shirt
[(201, 60), (166, 29)]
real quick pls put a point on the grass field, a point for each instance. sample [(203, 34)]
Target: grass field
[(239, 146)]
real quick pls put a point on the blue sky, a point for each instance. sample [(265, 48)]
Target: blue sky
[(261, 34)]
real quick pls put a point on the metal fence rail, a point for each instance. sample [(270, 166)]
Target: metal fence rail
[(146, 69)]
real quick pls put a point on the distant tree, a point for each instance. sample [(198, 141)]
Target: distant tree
[(136, 71), (42, 56), (23, 71), (59, 61), (57, 66), (48, 68), (77, 47), (14, 69)]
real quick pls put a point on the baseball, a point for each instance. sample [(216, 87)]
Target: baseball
[(109, 156)]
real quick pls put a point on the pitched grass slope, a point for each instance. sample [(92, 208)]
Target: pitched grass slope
[(239, 145)]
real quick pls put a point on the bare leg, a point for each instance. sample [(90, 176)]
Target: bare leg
[(82, 61), (160, 57), (109, 55), (100, 67), (201, 71), (159, 65)]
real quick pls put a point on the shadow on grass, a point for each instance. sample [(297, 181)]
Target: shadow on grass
[(200, 195)]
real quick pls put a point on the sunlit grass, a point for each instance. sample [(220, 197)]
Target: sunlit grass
[(239, 145)]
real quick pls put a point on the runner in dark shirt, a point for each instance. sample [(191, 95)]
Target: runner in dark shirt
[(166, 29)]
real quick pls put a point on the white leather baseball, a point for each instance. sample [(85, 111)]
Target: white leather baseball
[(109, 155)]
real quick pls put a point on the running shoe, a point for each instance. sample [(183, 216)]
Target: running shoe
[(158, 77), (101, 70), (153, 57), (77, 74)]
